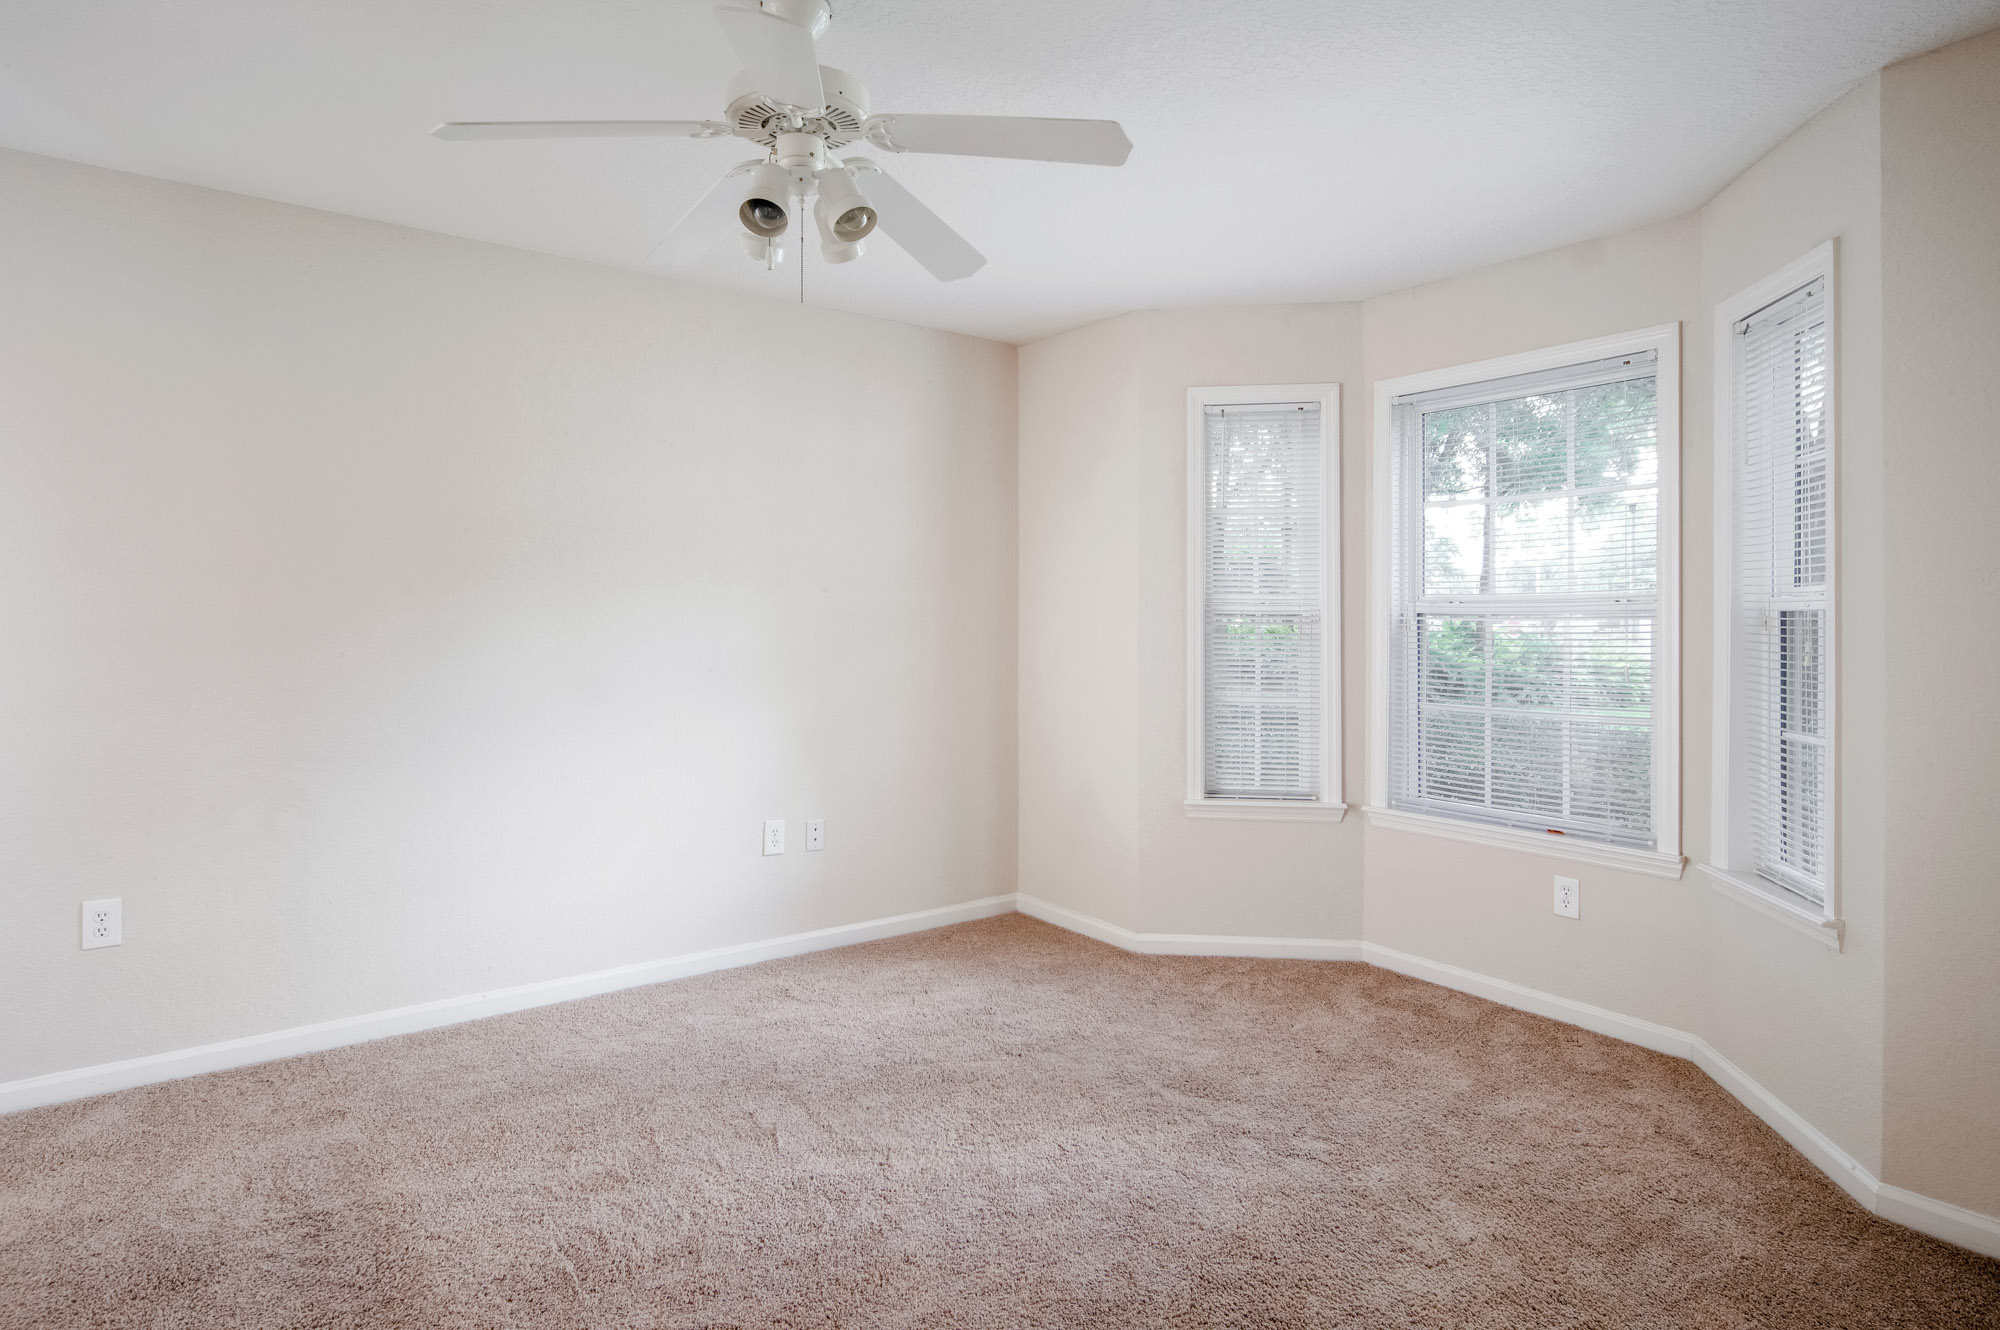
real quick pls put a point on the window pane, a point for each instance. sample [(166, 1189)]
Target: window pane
[(1617, 435), (1454, 549), (1263, 676), (1617, 542), (1611, 667), (1809, 468), (1454, 756), (1531, 547), (1455, 444), (1800, 686), (1528, 666), (1802, 795), (1611, 775), (1809, 521), (1531, 444), (1454, 667), (1528, 765)]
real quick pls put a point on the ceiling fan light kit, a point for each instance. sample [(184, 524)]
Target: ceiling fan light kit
[(803, 113), (850, 216), (763, 211), (831, 249)]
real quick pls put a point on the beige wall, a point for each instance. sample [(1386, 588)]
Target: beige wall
[(1203, 875), (1103, 648), (1806, 1022), (1636, 948), (391, 617), (1941, 314), (1078, 612)]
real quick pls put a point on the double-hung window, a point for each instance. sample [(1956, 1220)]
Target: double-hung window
[(1774, 676), (1263, 631), (1527, 662)]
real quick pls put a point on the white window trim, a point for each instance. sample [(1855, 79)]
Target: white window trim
[(1328, 807), (1730, 879), (1666, 859), (1793, 912)]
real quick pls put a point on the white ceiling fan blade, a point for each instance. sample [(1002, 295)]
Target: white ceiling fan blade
[(1092, 142), (921, 232), (778, 55), (705, 223), (580, 129)]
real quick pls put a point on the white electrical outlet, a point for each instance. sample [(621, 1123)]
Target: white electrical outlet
[(815, 833), (1566, 894), (774, 835), (104, 923)]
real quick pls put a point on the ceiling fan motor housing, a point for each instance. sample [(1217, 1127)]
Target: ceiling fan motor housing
[(801, 150), (752, 115)]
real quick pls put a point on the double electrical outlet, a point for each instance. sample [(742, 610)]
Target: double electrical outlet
[(774, 834), (104, 923), (1567, 892)]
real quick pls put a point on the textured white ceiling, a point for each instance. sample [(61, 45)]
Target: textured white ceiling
[(1286, 150)]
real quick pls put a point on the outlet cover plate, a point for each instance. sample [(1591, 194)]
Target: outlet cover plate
[(1567, 892), (774, 835), (104, 923), (815, 833)]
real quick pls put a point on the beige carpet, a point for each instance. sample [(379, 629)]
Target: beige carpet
[(993, 1125)]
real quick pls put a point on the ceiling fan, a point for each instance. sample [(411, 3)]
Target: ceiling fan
[(803, 112)]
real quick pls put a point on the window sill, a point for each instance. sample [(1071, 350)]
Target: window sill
[(1650, 862), (1266, 810), (1800, 918)]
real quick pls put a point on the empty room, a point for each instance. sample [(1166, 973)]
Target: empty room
[(917, 663)]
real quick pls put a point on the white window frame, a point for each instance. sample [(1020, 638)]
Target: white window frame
[(1723, 870), (1665, 860), (1329, 806)]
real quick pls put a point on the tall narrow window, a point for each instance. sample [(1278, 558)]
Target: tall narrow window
[(1527, 640), (1262, 635), (1780, 457)]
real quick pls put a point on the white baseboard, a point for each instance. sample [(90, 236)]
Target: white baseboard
[(83, 1082), (1939, 1219), (1847, 1171), (1659, 1038), (1188, 944), (1951, 1223)]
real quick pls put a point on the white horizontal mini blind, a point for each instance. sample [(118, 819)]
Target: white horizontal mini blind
[(1525, 575), (1781, 635), (1262, 573)]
